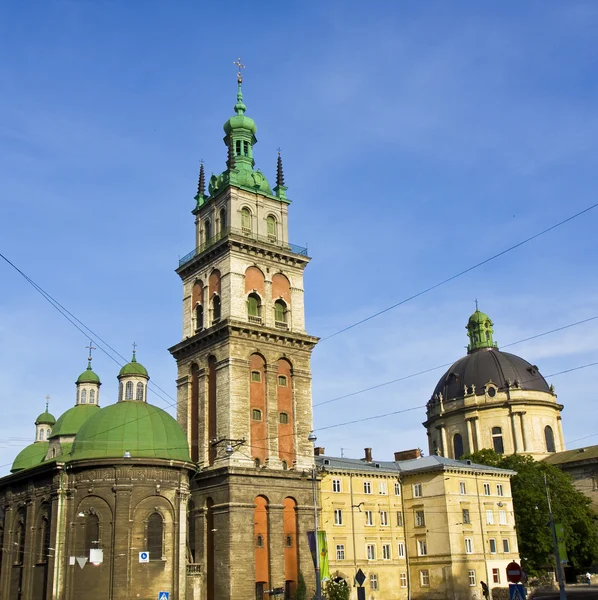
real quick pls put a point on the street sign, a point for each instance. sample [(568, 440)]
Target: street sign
[(163, 595), (514, 572), (360, 577), (144, 558), (516, 591)]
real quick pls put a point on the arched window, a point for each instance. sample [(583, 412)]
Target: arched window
[(139, 395), (285, 465), (20, 539), (43, 548), (280, 312), (155, 534), (120, 392), (458, 445), (84, 397), (549, 437), (254, 308), (245, 220), (92, 533), (208, 231), (78, 395), (191, 535), (42, 433), (284, 418), (271, 227), (48, 432), (257, 462), (256, 414), (92, 396), (497, 442), (216, 309), (129, 390), (222, 220), (198, 317)]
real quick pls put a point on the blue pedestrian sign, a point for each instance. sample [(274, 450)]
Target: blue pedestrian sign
[(163, 595), (516, 591)]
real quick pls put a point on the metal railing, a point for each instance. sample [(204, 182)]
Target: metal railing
[(255, 320), (244, 233), (281, 325), (193, 569)]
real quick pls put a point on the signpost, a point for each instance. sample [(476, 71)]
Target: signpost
[(360, 578), (516, 591), (514, 572)]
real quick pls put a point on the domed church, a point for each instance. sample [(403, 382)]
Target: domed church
[(96, 506), (492, 399)]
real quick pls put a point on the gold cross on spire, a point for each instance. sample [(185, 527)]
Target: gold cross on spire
[(90, 348), (239, 67)]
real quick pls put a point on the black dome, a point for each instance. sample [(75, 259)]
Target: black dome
[(484, 365)]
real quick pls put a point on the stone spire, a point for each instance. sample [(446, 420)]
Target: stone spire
[(280, 189), (201, 197), (480, 331)]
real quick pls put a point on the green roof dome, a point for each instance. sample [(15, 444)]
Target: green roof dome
[(71, 421), (134, 368), (30, 456), (478, 317), (142, 429), (45, 419), (239, 120), (88, 376)]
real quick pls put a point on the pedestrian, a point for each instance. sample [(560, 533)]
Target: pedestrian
[(485, 590), (588, 578)]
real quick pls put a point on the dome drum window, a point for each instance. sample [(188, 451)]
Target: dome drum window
[(497, 441)]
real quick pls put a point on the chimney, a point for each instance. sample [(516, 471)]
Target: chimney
[(319, 451), (368, 454), (408, 454)]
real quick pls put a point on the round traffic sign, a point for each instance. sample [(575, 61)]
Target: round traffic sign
[(514, 572)]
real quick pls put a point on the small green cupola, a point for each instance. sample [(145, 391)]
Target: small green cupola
[(480, 331), (44, 424), (88, 383), (133, 378)]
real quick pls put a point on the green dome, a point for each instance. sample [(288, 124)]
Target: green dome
[(30, 456), (45, 419), (133, 368), (88, 376), (142, 429), (71, 421), (478, 317), (240, 122)]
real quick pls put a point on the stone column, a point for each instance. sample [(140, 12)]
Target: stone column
[(476, 428), (305, 518), (559, 422), (272, 460), (121, 553), (8, 553), (470, 436), (514, 433), (30, 547), (523, 434), (180, 553)]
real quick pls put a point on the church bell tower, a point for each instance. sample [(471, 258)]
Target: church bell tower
[(244, 378)]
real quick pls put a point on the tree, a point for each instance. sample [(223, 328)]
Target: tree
[(301, 591), (337, 589), (569, 506)]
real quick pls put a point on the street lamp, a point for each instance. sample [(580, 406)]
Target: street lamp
[(312, 438)]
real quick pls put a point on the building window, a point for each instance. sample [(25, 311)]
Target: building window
[(367, 487), (418, 490), (486, 489), (466, 517), (198, 317), (284, 465), (245, 148), (468, 546), (499, 447), (369, 517), (92, 396), (420, 519), (282, 380), (401, 550), (245, 220), (403, 580), (371, 551), (129, 390), (238, 147), (499, 490), (48, 432), (120, 392), (506, 546), (496, 575), (280, 312), (139, 395), (386, 551), (336, 485), (383, 518), (84, 397), (222, 220), (254, 308), (92, 533), (284, 418), (259, 541), (257, 462), (42, 434), (462, 488), (44, 540), (502, 517), (383, 488), (549, 437), (422, 548), (458, 445), (338, 516), (340, 552), (288, 541), (472, 580), (256, 376), (155, 535), (424, 578), (397, 488), (492, 542), (373, 581), (489, 517), (216, 309), (399, 519), (271, 227), (256, 414), (208, 231)]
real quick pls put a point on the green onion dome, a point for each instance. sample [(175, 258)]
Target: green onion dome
[(71, 421), (141, 429), (134, 368), (31, 456), (45, 419), (88, 376)]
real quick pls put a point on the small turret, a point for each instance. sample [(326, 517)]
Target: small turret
[(480, 331), (133, 378)]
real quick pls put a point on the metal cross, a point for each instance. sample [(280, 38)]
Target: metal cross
[(47, 401), (90, 348), (476, 304), (239, 67), (279, 150), (134, 347)]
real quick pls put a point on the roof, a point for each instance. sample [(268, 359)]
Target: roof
[(425, 463), (143, 430), (134, 368), (88, 376), (501, 368), (570, 456), (45, 419), (30, 456), (70, 422)]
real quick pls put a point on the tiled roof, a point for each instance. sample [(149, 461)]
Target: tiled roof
[(570, 456)]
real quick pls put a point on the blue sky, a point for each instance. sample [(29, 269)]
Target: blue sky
[(418, 139)]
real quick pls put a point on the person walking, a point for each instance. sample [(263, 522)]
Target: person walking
[(485, 590), (588, 578)]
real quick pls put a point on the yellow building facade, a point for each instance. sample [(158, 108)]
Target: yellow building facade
[(425, 527)]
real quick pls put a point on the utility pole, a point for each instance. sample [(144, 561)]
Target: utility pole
[(312, 438), (559, 566)]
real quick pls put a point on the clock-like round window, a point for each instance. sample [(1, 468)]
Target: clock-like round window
[(491, 392)]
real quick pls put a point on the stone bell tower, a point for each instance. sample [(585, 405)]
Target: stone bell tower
[(244, 379)]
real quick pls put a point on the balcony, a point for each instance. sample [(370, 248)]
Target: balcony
[(255, 320), (193, 569), (243, 233), (281, 325)]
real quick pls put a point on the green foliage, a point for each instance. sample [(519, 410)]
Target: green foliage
[(337, 590), (569, 506), (301, 591)]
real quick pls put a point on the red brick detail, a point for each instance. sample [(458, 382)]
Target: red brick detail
[(281, 288), (257, 400), (254, 280), (260, 540), (291, 564), (284, 394)]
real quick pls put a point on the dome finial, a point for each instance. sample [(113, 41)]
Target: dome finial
[(47, 401), (476, 304), (90, 348), (240, 108), (201, 184), (480, 330), (134, 352)]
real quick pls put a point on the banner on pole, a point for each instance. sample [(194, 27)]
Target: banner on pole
[(323, 547), (560, 542)]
